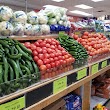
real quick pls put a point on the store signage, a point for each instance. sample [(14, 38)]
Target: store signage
[(59, 85), (95, 68), (81, 73), (16, 104), (77, 33), (104, 64)]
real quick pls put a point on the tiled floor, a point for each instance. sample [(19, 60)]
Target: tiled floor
[(95, 100)]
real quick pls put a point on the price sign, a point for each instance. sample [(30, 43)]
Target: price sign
[(104, 64), (81, 74), (59, 85), (95, 68), (17, 104), (77, 33)]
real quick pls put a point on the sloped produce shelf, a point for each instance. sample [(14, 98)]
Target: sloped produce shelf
[(27, 38), (46, 92)]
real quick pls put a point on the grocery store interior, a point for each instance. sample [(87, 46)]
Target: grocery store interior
[(54, 54)]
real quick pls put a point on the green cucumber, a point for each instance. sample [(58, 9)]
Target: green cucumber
[(6, 66), (15, 67), (23, 53), (1, 73)]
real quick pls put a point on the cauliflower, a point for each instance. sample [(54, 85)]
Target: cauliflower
[(6, 28), (32, 17), (5, 13)]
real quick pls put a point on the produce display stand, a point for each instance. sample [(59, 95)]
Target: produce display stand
[(43, 93)]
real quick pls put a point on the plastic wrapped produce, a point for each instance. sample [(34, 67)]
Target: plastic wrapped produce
[(37, 30), (20, 16), (45, 29), (32, 17), (61, 22), (64, 18), (43, 19), (5, 13), (28, 29), (52, 21), (6, 28), (18, 29)]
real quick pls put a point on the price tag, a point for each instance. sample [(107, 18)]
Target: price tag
[(59, 85), (77, 33), (82, 73), (95, 68), (62, 32), (17, 104), (104, 64)]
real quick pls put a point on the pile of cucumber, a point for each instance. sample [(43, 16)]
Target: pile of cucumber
[(73, 47), (17, 68)]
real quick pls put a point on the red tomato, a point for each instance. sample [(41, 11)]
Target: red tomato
[(39, 41), (36, 58), (40, 62), (63, 52), (43, 68), (59, 57), (48, 66), (33, 47), (42, 44), (44, 48), (46, 61), (56, 58), (53, 43), (86, 33), (85, 37), (49, 40), (44, 51), (57, 63), (52, 47), (52, 55), (35, 53), (57, 43), (66, 56), (51, 59), (61, 62), (47, 45), (37, 44), (46, 55), (39, 50), (59, 47), (75, 37), (27, 44), (52, 64), (41, 56), (49, 50)]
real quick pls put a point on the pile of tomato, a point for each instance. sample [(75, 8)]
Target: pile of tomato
[(95, 44), (51, 58)]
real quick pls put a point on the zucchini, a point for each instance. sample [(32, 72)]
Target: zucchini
[(1, 73)]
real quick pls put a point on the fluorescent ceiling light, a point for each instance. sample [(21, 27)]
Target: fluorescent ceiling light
[(53, 6), (58, 0), (80, 12), (97, 0), (83, 6)]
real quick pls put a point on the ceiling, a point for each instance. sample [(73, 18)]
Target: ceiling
[(69, 4)]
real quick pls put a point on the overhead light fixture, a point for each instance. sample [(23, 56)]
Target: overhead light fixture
[(53, 6), (97, 0), (83, 6), (80, 13), (58, 0)]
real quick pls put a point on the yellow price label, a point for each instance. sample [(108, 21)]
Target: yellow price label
[(77, 33), (17, 104), (95, 68), (104, 64), (59, 85), (81, 73)]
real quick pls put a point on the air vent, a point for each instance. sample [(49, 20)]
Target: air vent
[(100, 11)]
